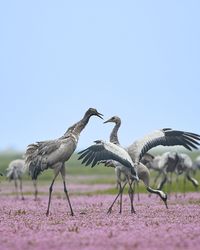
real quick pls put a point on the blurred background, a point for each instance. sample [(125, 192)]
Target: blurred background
[(139, 60)]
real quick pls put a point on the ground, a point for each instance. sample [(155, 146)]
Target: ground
[(24, 225)]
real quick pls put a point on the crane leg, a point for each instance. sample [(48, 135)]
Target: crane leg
[(16, 188), (50, 190), (20, 180), (36, 190), (120, 191), (184, 183), (62, 171), (169, 184), (177, 186), (131, 195), (138, 194), (120, 202)]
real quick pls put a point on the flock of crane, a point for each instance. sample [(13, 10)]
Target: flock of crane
[(131, 164)]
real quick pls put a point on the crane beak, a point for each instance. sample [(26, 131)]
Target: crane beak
[(109, 120), (99, 115), (165, 201)]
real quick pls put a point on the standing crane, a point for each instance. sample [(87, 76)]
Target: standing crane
[(178, 163), (54, 153), (142, 170), (196, 164), (103, 151), (15, 171)]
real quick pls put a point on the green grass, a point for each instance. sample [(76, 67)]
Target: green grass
[(73, 167), (77, 173)]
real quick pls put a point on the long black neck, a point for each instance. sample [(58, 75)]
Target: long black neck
[(162, 183), (154, 191), (113, 136), (77, 127), (162, 195), (194, 181)]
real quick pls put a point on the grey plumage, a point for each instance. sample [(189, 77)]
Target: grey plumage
[(164, 137), (102, 151), (174, 163), (15, 171), (54, 153), (142, 170), (138, 150)]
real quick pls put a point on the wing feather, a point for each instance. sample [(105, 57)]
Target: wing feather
[(102, 151), (164, 137)]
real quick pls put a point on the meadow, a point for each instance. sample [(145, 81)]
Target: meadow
[(24, 225)]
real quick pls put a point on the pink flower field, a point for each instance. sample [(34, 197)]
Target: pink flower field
[(24, 225)]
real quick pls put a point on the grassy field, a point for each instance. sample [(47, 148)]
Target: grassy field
[(79, 174)]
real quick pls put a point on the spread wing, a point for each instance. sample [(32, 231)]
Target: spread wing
[(103, 151), (165, 137)]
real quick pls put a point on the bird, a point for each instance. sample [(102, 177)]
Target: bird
[(15, 171), (196, 164), (54, 153), (101, 151), (175, 163), (142, 170), (165, 137), (180, 164), (165, 165), (186, 166)]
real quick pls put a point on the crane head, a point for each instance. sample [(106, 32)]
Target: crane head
[(92, 111), (114, 119)]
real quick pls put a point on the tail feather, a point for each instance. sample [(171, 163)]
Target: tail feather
[(34, 170), (34, 161)]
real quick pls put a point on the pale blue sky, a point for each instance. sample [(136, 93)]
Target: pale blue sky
[(139, 60)]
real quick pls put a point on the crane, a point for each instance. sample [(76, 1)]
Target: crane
[(103, 151), (54, 153), (142, 170), (15, 171)]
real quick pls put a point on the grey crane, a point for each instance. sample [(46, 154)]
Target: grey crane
[(15, 171), (142, 170), (164, 164), (196, 164), (54, 153), (178, 163), (165, 137), (186, 166), (1, 175), (101, 151)]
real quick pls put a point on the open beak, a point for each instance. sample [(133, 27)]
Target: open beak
[(99, 115)]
